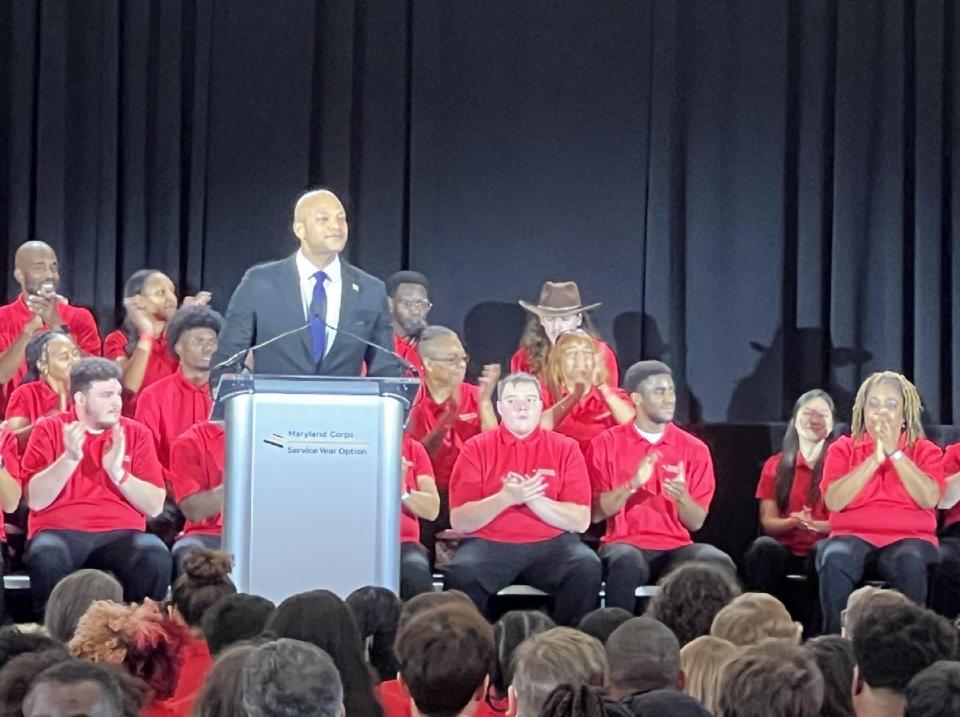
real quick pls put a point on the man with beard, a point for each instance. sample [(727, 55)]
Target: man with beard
[(38, 308), (652, 483), (409, 302), (90, 481)]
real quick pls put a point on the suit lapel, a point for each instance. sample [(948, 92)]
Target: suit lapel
[(293, 301), (349, 295)]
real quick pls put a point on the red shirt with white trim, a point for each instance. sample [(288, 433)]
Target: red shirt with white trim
[(520, 361), (89, 501), (486, 459), (197, 457), (883, 512), (951, 465), (33, 401), (170, 406), (15, 315), (160, 364), (799, 541), (425, 416), (649, 520), (417, 455), (589, 418)]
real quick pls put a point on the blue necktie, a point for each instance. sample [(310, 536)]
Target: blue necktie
[(318, 315)]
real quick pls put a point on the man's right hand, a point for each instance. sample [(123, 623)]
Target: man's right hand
[(519, 490), (44, 306), (73, 435), (644, 470)]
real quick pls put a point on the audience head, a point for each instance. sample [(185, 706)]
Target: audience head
[(935, 691), (290, 678), (887, 397), (558, 656), (651, 389), (408, 297), (601, 622), (320, 223), (573, 359), (50, 356), (97, 394), (376, 611), (36, 269), (519, 403), (771, 679), (444, 359), (19, 674), (862, 599), (73, 595), (445, 657), (222, 693), (664, 703), (690, 597), (642, 656), (322, 619), (580, 701), (753, 617), (234, 618), (509, 632), (812, 422), (834, 656), (74, 687), (14, 641), (429, 601), (152, 292), (192, 336), (141, 638), (204, 579), (703, 661)]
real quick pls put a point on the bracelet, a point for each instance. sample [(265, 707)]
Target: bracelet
[(405, 495), (896, 455)]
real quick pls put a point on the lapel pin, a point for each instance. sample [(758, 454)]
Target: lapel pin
[(355, 287)]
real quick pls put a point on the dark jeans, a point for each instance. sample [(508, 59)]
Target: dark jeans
[(140, 561), (766, 565), (945, 577), (842, 562), (415, 574), (430, 528), (562, 566), (191, 542), (627, 567)]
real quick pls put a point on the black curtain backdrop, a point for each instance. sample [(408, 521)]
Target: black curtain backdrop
[(762, 192)]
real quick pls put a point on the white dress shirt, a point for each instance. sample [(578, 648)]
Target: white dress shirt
[(333, 285)]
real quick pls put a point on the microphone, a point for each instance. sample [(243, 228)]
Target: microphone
[(235, 358), (403, 362)]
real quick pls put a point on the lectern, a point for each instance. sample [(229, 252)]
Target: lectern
[(311, 481)]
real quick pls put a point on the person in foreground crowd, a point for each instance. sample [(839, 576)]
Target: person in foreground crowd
[(18, 675), (881, 486), (771, 679), (559, 309), (376, 611), (233, 619), (73, 595), (601, 623), (317, 287), (834, 656), (703, 661), (892, 643), (509, 632), (935, 691), (292, 679), (419, 500), (519, 495), (581, 403), (690, 597), (448, 413), (792, 513), (445, 658), (861, 601), (643, 655), (74, 687), (45, 387), (652, 483), (222, 695), (945, 580), (753, 617), (89, 484), (408, 297)]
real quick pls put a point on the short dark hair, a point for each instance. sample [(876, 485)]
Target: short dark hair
[(290, 678), (893, 642), (222, 693), (834, 656), (935, 691), (376, 610), (87, 371), (444, 655), (429, 601), (186, 318), (771, 679), (509, 632), (21, 673), (405, 277), (641, 371), (14, 642), (643, 655), (75, 671), (601, 623), (234, 618), (690, 597)]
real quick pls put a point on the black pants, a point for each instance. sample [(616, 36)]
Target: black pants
[(562, 566), (140, 561), (843, 560), (191, 542), (627, 567), (945, 577), (430, 528), (415, 574), (766, 565)]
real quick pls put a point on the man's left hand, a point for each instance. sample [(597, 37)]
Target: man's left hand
[(113, 458), (676, 488)]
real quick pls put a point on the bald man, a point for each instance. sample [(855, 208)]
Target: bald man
[(315, 286), (38, 308)]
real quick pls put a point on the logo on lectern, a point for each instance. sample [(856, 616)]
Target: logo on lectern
[(274, 439)]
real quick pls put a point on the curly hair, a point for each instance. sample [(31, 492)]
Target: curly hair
[(146, 641), (537, 344), (690, 597), (187, 318), (912, 405)]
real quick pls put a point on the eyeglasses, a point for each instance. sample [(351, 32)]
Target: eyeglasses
[(517, 401), (419, 304), (452, 360)]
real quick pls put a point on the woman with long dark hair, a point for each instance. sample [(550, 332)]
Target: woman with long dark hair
[(792, 513)]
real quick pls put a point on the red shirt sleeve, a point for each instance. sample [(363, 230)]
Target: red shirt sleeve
[(42, 449), (613, 370), (837, 463), (417, 455), (466, 480), (10, 450), (576, 482), (951, 461), (186, 466), (929, 458), (17, 405), (84, 329), (113, 345), (767, 487), (701, 482), (417, 425), (596, 460), (144, 463)]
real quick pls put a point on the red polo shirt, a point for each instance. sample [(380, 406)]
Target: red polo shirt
[(89, 501), (800, 541), (160, 364), (170, 406), (33, 401), (196, 465), (649, 520), (520, 361), (10, 452), (15, 315), (417, 455), (589, 418), (195, 663), (407, 348), (883, 512), (425, 416), (951, 465), (486, 459)]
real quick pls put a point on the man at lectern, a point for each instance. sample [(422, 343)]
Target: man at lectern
[(317, 290)]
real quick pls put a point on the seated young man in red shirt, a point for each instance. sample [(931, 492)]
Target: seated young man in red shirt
[(448, 412), (881, 486), (89, 483), (419, 500), (652, 483), (409, 303), (519, 496), (38, 308)]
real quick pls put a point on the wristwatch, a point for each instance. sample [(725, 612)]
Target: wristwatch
[(404, 495), (896, 455)]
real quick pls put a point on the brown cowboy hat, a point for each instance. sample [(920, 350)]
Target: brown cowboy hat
[(560, 298)]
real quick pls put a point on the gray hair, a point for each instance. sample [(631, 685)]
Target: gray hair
[(515, 378), (290, 678)]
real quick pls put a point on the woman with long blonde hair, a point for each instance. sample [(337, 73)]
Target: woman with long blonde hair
[(703, 661)]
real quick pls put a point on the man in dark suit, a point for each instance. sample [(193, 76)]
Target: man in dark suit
[(314, 285)]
